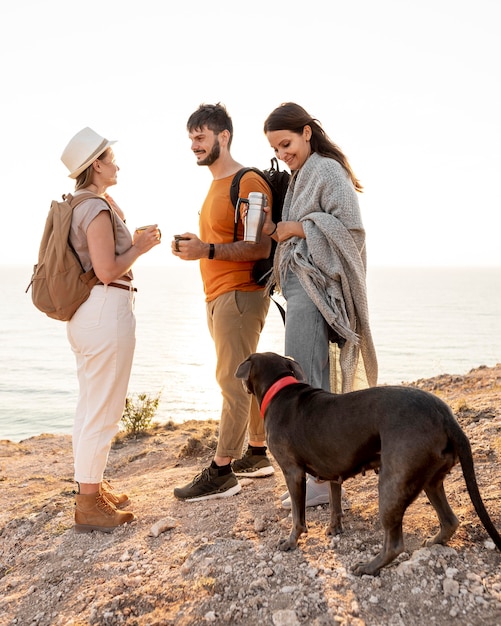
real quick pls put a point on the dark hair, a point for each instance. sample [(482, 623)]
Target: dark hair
[(214, 116), (292, 117)]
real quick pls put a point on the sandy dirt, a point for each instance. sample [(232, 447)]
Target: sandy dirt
[(217, 562)]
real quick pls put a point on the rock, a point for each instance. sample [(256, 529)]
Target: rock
[(167, 523), (450, 587), (285, 617)]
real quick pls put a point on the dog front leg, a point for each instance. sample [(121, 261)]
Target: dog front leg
[(336, 525), (393, 545), (296, 485)]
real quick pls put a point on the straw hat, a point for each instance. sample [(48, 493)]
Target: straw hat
[(85, 147)]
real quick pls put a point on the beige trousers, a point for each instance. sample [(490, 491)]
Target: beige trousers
[(235, 320), (102, 337)]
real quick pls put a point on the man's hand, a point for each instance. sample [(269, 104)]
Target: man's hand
[(189, 247)]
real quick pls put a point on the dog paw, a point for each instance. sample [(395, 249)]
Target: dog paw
[(286, 545), (431, 541), (361, 569), (334, 529)]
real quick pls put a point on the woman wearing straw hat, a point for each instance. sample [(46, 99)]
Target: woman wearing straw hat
[(102, 331)]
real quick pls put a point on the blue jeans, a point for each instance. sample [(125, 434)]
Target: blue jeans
[(306, 333)]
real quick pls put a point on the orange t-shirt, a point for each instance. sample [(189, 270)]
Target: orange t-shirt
[(217, 218)]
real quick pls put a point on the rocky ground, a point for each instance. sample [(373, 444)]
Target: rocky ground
[(217, 562)]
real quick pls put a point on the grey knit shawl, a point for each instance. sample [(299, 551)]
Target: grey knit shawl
[(331, 262)]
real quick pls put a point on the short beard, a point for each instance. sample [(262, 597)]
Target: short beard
[(213, 155)]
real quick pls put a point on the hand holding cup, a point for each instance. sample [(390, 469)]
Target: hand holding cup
[(147, 236), (177, 239)]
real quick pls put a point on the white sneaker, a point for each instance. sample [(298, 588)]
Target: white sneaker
[(317, 493)]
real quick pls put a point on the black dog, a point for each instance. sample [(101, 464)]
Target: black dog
[(409, 436)]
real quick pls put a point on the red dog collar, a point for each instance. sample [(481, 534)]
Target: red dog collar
[(274, 389)]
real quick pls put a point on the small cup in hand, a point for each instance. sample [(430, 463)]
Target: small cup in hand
[(140, 229), (177, 239)]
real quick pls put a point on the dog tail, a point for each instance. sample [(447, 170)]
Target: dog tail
[(466, 459)]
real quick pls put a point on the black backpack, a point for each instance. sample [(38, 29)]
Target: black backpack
[(278, 181)]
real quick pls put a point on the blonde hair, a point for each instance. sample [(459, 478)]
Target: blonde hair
[(84, 179)]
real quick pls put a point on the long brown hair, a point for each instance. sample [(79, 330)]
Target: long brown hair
[(292, 117)]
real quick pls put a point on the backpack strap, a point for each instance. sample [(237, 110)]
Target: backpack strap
[(235, 183), (74, 201), (235, 194)]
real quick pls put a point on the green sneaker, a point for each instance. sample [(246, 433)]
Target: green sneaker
[(253, 465), (208, 486)]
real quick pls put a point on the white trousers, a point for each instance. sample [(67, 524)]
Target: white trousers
[(102, 335)]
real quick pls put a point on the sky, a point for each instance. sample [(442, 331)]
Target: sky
[(409, 89)]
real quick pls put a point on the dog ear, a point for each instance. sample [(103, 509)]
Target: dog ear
[(296, 370), (243, 372)]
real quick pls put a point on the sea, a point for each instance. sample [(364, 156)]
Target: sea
[(424, 321)]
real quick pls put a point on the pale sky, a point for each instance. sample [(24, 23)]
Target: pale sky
[(409, 89)]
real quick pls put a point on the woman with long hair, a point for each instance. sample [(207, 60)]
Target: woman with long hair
[(320, 262)]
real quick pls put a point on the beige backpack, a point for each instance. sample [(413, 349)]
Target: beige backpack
[(59, 284)]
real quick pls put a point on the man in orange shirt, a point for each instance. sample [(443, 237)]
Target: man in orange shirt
[(236, 305)]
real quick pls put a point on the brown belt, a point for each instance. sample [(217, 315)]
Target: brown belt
[(119, 286)]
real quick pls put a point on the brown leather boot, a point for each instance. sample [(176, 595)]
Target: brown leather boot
[(119, 500), (94, 512)]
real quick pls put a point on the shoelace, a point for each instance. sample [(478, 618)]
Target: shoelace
[(112, 495), (203, 475), (108, 488), (104, 505)]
